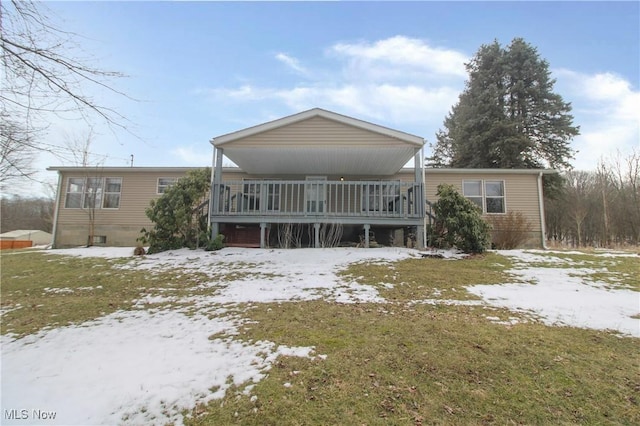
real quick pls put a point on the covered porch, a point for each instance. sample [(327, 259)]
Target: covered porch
[(318, 168)]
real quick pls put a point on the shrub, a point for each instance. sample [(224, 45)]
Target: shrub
[(177, 221), (215, 244), (510, 231), (459, 222)]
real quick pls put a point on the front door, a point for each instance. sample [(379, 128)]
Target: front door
[(315, 194)]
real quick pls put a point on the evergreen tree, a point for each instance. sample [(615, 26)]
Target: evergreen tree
[(508, 115)]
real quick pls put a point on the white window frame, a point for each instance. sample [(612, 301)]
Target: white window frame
[(77, 195), (381, 195), (166, 186), (315, 194), (474, 197), (107, 194), (483, 194), (495, 197), (86, 190)]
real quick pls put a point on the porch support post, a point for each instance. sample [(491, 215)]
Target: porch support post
[(421, 235), (367, 227), (417, 158), (215, 190), (263, 240), (420, 242), (316, 235)]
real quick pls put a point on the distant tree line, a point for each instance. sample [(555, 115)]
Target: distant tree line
[(26, 213), (598, 208)]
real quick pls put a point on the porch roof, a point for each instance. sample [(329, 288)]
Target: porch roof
[(319, 142)]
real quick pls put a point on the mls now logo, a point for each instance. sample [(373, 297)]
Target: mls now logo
[(24, 414)]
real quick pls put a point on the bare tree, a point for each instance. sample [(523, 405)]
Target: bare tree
[(15, 155), (579, 187), (26, 213), (79, 149), (41, 76), (624, 178), (600, 208)]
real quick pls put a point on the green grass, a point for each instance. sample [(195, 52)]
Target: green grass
[(404, 363), (419, 279), (615, 272), (42, 291), (395, 363), (431, 365)]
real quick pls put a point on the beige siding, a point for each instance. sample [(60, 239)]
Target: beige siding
[(121, 226), (521, 195), (318, 130), (521, 191)]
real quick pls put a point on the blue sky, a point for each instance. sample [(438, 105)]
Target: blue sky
[(203, 69)]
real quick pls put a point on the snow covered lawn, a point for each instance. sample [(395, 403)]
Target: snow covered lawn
[(157, 361), (565, 296)]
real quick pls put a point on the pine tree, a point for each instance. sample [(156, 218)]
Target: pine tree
[(508, 115)]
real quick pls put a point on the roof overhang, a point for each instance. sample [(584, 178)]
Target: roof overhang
[(256, 151), (445, 170), (110, 169)]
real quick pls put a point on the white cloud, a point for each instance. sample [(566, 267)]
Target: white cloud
[(400, 82), (292, 63), (385, 102), (408, 84), (403, 52), (607, 109)]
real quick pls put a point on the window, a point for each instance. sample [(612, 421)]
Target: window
[(99, 239), (488, 195), (494, 196), (381, 196), (472, 189), (251, 197), (273, 196), (315, 194), (112, 189), (93, 193), (75, 189), (165, 183)]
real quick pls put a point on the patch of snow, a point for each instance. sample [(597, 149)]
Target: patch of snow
[(561, 296), (445, 254), (450, 302), (58, 290), (5, 310), (533, 256), (151, 300), (89, 288), (104, 252), (129, 367)]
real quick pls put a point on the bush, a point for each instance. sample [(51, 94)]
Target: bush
[(459, 222), (177, 221), (510, 231), (216, 244)]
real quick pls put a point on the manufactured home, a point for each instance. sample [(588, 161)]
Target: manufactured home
[(311, 179)]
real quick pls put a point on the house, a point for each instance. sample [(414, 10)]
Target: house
[(310, 179), (111, 199)]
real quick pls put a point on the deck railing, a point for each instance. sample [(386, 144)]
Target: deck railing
[(319, 198)]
